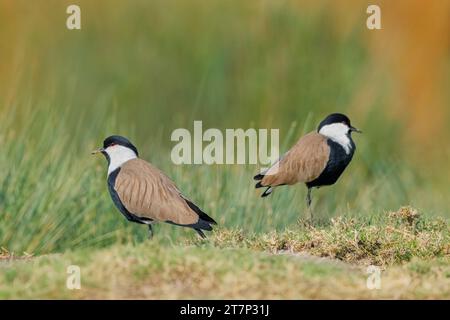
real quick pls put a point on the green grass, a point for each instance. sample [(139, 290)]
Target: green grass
[(54, 195), (144, 70), (159, 270), (327, 261), (393, 239)]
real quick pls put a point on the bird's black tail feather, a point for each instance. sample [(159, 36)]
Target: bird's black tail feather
[(204, 222), (269, 189), (258, 177), (267, 192), (203, 216)]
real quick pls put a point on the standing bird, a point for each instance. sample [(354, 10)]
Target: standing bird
[(317, 159), (144, 194)]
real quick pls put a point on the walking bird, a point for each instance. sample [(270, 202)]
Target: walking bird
[(144, 194), (317, 159)]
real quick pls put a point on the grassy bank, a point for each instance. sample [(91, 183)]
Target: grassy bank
[(157, 271), (331, 261), (176, 272)]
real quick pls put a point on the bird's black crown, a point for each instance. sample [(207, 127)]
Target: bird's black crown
[(122, 141), (334, 118)]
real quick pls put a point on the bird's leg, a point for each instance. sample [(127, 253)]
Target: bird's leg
[(308, 205), (150, 232)]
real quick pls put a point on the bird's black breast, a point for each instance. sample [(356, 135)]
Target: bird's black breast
[(336, 164), (116, 199)]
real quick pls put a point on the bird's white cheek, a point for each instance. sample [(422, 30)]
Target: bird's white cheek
[(118, 155), (337, 132)]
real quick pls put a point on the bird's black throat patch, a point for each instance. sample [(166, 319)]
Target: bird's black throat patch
[(336, 164), (108, 158)]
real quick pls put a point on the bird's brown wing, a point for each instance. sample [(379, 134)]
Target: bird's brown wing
[(148, 193), (304, 162)]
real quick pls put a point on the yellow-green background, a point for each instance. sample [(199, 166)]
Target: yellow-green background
[(144, 68)]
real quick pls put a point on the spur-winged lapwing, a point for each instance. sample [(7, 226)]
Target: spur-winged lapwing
[(317, 159), (144, 194)]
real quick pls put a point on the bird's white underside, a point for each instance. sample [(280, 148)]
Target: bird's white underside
[(118, 155), (338, 132)]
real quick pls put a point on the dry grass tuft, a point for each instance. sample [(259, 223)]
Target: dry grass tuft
[(409, 214), (397, 238)]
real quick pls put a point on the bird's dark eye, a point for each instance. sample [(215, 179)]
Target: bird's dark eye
[(112, 144)]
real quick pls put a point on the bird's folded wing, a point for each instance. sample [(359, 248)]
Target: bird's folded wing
[(148, 193), (304, 162)]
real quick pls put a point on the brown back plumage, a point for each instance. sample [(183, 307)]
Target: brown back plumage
[(147, 192), (304, 162)]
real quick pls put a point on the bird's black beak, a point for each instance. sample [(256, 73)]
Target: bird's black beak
[(353, 129), (98, 151)]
